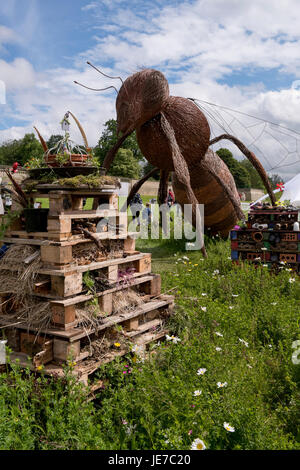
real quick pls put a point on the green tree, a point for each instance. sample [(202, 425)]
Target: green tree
[(255, 179), (109, 138), (53, 140), (20, 150), (125, 165), (240, 174)]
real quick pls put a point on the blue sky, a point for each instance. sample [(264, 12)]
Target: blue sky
[(244, 55)]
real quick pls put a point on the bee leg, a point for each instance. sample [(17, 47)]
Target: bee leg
[(163, 186), (229, 193), (182, 172), (252, 158)]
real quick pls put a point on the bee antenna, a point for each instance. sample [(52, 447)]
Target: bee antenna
[(96, 89), (102, 73)]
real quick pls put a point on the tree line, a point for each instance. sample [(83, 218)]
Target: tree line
[(129, 161)]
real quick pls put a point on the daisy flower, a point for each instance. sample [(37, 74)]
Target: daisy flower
[(221, 385), (292, 279), (172, 338), (201, 371), (198, 444), (218, 334), (228, 427), (218, 349), (197, 393), (244, 342), (203, 309)]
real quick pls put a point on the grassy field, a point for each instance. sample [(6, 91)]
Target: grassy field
[(236, 324)]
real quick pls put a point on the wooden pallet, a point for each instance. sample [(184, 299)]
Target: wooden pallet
[(139, 326), (85, 370)]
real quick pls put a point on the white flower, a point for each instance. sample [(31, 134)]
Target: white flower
[(218, 349), (218, 334), (265, 265), (231, 307), (216, 271), (221, 385), (186, 258), (197, 393), (292, 279), (203, 294), (172, 338), (270, 346), (176, 339), (244, 342), (201, 371), (250, 367), (273, 303), (198, 445), (228, 427), (203, 309), (235, 295)]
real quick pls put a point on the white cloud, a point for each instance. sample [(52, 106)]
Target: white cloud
[(90, 6), (18, 74)]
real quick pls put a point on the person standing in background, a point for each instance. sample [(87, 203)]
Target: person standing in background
[(136, 206)]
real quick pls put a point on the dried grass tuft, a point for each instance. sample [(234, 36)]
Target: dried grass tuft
[(16, 287), (126, 300)]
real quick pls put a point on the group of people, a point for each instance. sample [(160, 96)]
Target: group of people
[(136, 206)]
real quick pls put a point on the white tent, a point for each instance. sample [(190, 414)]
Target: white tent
[(291, 192)]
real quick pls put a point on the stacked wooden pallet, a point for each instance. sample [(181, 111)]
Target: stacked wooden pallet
[(271, 236), (87, 327)]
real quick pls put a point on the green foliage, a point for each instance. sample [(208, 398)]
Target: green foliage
[(240, 174), (125, 165), (109, 138), (20, 150), (126, 162), (255, 179), (37, 413), (93, 181)]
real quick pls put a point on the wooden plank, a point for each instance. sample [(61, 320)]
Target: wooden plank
[(70, 284), (119, 318), (95, 214), (73, 240), (64, 350), (83, 297), (56, 254), (101, 264), (63, 315), (142, 328)]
